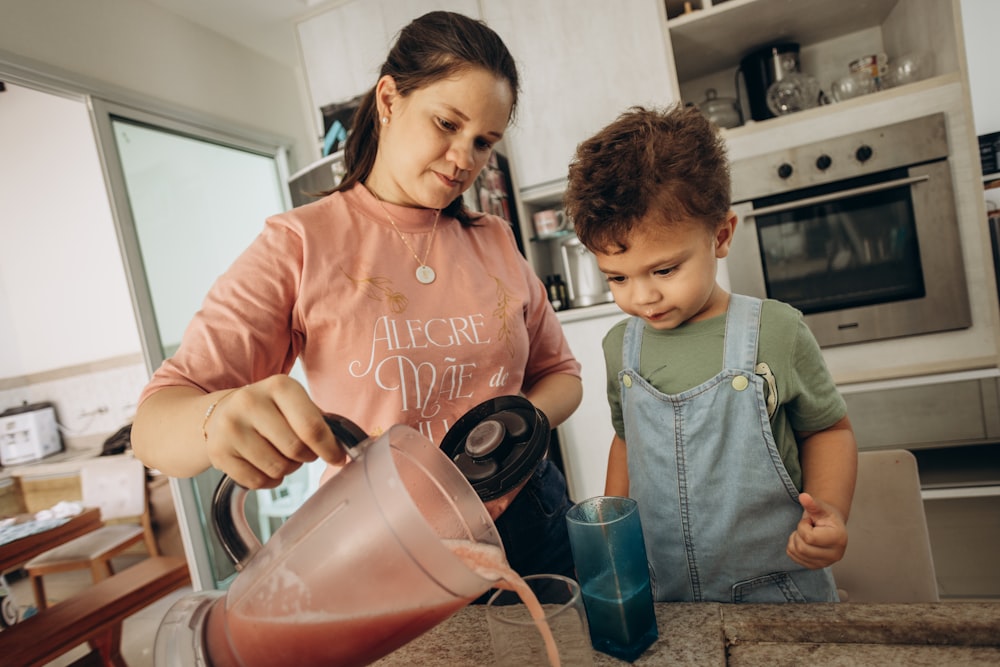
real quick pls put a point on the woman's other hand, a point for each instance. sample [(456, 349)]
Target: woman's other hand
[(256, 434)]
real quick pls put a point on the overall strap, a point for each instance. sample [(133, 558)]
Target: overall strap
[(632, 343), (742, 327)]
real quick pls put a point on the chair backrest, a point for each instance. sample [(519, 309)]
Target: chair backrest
[(115, 484), (888, 556)]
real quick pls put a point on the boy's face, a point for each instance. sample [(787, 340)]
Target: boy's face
[(667, 275)]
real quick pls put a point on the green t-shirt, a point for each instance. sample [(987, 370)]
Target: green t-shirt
[(679, 359)]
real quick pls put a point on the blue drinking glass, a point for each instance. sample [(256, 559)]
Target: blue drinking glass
[(605, 535)]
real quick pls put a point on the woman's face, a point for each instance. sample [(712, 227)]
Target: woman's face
[(437, 138)]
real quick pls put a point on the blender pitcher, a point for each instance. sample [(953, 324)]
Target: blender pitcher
[(369, 562)]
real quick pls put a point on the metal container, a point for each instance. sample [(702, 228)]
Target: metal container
[(587, 285)]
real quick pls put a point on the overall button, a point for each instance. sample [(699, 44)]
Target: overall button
[(627, 380), (740, 383)]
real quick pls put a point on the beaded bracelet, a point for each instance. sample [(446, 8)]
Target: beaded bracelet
[(211, 409)]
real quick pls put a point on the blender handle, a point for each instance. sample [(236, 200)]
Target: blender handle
[(229, 516)]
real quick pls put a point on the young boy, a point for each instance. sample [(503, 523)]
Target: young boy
[(729, 430)]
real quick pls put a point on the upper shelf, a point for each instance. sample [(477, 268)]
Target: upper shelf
[(716, 38)]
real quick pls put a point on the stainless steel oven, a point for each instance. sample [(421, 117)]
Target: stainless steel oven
[(859, 232)]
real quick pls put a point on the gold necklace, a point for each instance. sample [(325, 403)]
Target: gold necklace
[(425, 274)]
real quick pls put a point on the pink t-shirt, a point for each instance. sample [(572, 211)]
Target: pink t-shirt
[(333, 283)]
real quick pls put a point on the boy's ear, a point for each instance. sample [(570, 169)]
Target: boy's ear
[(385, 95), (724, 235)]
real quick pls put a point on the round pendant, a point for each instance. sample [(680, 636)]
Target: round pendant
[(426, 275)]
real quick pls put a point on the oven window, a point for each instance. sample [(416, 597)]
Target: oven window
[(849, 252)]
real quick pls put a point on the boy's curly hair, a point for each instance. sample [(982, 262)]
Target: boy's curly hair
[(671, 163)]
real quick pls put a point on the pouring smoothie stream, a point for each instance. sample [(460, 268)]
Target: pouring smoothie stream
[(490, 563)]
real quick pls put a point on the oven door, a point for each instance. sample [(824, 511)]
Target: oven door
[(867, 258)]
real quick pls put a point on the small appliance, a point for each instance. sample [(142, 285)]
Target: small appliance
[(586, 284), (28, 433), (859, 232), (763, 67)]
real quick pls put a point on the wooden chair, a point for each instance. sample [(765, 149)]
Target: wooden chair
[(116, 485), (888, 556)]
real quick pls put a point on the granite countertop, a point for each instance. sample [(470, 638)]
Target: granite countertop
[(945, 633)]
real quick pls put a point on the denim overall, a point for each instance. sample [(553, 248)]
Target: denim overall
[(716, 502)]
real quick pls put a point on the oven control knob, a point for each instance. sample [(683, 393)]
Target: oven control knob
[(823, 162), (864, 153), (785, 170)]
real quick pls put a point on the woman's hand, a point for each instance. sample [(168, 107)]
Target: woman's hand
[(259, 433), (256, 434)]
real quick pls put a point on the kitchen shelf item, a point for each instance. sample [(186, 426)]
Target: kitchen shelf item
[(723, 111), (587, 285), (794, 92), (908, 68), (761, 70), (854, 84)]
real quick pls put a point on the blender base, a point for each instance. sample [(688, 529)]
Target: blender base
[(180, 639)]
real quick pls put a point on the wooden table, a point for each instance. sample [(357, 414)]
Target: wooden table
[(20, 551)]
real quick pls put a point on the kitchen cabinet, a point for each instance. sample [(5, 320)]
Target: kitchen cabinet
[(953, 410), (585, 438), (582, 62), (343, 48)]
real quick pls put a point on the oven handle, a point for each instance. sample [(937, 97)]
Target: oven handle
[(843, 194)]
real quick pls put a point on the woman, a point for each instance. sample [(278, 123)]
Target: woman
[(402, 306)]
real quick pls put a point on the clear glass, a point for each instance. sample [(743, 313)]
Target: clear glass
[(852, 85), (856, 251), (516, 637), (907, 68), (794, 92)]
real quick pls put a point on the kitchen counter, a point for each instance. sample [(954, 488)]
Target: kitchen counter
[(946, 633), (590, 312)]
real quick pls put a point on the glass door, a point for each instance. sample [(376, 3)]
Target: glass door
[(842, 245), (187, 200)]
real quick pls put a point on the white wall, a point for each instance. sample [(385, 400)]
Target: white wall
[(63, 294), (64, 298), (981, 24), (134, 46)]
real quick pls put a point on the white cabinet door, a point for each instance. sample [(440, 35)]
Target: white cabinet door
[(582, 62), (343, 49), (585, 438)]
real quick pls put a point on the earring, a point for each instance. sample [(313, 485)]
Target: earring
[(385, 120)]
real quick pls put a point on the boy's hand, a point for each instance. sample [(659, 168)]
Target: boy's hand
[(820, 538)]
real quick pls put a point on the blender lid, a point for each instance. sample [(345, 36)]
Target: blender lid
[(498, 444)]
